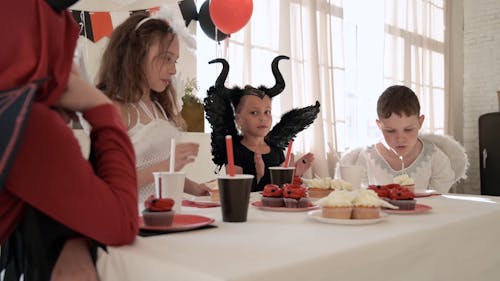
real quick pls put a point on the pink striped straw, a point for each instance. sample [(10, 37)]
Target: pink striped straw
[(230, 155)]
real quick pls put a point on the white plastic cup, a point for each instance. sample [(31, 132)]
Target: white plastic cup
[(172, 186), (351, 174)]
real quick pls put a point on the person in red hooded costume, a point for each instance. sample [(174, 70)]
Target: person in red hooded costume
[(50, 195)]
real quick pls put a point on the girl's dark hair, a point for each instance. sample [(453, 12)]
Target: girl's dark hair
[(398, 99), (121, 75)]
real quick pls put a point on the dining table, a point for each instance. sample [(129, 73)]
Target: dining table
[(456, 237)]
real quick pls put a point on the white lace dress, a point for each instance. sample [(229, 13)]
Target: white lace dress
[(431, 169), (151, 142)]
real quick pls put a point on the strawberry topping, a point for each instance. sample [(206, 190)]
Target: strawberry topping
[(158, 204), (383, 190), (272, 190), (297, 180), (295, 191), (401, 193)]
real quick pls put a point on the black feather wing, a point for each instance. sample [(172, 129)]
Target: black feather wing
[(220, 115), (291, 123)]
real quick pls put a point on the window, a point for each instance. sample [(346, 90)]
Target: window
[(343, 54), (414, 54)]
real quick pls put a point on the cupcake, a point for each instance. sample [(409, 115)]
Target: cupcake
[(297, 180), (158, 211), (215, 195), (366, 205), (272, 196), (319, 187), (337, 205), (214, 190), (322, 187), (405, 181), (295, 196), (383, 190), (403, 198)]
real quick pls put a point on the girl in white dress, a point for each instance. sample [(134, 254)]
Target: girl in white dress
[(402, 151), (136, 73)]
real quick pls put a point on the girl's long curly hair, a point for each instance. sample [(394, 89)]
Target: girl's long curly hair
[(122, 76)]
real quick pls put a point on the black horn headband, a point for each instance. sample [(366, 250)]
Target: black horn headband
[(237, 93)]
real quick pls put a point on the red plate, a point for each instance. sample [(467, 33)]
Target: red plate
[(258, 205), (419, 208), (181, 223)]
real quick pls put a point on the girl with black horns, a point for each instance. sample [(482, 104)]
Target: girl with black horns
[(258, 146)]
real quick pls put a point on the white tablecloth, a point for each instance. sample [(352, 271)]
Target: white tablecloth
[(457, 240)]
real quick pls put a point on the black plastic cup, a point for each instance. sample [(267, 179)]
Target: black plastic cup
[(235, 196), (281, 175)]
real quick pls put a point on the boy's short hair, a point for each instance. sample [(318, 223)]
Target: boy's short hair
[(398, 99)]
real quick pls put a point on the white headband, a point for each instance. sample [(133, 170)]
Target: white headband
[(171, 13)]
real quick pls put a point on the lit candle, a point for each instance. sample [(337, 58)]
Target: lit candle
[(172, 155)]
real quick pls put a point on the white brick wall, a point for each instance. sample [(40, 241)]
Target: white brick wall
[(481, 75)]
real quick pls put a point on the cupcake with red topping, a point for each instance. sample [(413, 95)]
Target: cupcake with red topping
[(272, 196), (297, 180), (158, 211), (402, 197), (383, 190), (295, 196)]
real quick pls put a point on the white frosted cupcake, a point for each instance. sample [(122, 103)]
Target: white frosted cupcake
[(337, 205), (214, 190), (318, 187), (366, 205), (406, 181), (322, 187)]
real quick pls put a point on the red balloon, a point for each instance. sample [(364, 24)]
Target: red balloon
[(230, 15)]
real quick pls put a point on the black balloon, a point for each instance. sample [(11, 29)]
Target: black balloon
[(207, 25), (188, 11)]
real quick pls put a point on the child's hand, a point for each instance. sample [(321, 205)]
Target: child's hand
[(303, 164), (196, 189), (185, 153), (259, 166)]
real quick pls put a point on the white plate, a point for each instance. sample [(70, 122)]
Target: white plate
[(316, 215), (426, 193), (205, 200)]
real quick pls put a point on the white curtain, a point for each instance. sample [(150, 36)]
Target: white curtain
[(414, 55), (343, 54), (310, 33)]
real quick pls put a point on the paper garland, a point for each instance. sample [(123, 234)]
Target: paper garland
[(96, 25)]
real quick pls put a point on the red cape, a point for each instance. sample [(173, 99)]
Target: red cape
[(49, 172)]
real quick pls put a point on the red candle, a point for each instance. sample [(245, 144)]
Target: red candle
[(288, 152), (230, 156)]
